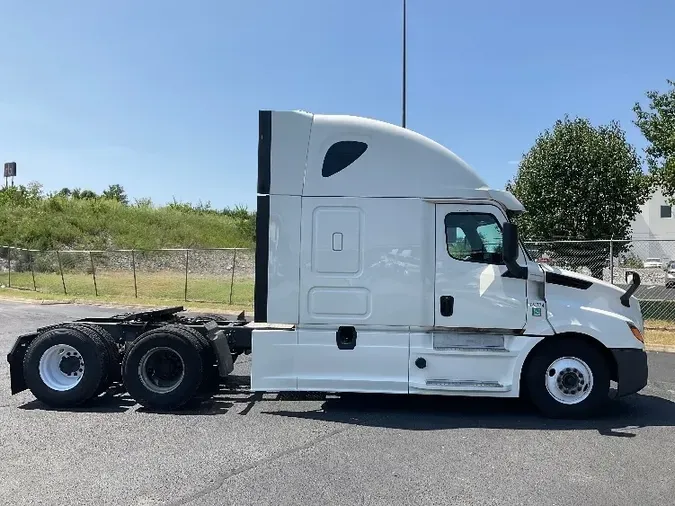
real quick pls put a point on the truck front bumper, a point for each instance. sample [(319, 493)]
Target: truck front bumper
[(632, 370)]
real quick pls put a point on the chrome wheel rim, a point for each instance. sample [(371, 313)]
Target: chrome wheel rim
[(569, 380)]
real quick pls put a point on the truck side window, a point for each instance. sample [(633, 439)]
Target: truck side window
[(341, 155), (474, 237)]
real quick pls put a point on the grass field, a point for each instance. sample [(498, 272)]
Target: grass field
[(31, 219), (212, 292), (119, 287)]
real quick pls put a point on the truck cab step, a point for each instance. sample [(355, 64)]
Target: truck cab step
[(466, 385)]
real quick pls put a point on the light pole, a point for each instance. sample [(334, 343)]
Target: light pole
[(404, 64)]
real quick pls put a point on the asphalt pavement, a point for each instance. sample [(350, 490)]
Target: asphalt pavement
[(298, 450)]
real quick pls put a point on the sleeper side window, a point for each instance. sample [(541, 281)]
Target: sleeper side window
[(341, 155), (474, 237)]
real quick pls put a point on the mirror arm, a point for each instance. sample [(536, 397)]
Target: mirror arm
[(515, 271)]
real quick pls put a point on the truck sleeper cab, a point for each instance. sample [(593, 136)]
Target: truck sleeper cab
[(384, 264), (399, 271)]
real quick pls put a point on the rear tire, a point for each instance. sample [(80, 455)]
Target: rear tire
[(210, 369), (164, 368), (65, 366), (113, 349), (567, 378), (113, 360)]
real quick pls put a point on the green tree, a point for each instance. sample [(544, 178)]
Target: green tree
[(658, 126), (88, 195), (116, 192), (21, 195), (580, 182)]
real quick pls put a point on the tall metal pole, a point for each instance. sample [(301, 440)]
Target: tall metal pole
[(404, 63)]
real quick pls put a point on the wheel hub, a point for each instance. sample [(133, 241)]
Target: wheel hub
[(61, 367), (569, 380), (161, 370), (69, 365)]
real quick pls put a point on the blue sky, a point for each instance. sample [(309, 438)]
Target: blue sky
[(161, 96)]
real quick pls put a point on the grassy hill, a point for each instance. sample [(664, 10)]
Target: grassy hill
[(77, 219)]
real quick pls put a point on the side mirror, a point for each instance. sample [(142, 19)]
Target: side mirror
[(511, 248), (510, 243)]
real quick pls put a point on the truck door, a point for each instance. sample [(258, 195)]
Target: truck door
[(471, 289)]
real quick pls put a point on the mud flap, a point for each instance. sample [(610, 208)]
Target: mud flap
[(222, 349), (15, 359)]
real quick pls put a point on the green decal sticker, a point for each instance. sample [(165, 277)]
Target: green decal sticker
[(536, 311)]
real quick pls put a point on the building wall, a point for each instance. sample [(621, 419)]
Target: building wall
[(653, 230)]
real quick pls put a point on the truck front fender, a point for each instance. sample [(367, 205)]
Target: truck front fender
[(610, 329)]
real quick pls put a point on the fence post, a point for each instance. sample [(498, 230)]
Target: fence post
[(32, 269), (9, 266), (187, 262), (93, 273), (63, 280), (133, 266), (611, 261), (234, 266)]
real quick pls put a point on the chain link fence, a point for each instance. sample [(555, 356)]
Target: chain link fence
[(221, 276), (226, 276), (611, 260)]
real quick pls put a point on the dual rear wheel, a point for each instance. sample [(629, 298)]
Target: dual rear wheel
[(166, 367), (163, 369), (69, 364)]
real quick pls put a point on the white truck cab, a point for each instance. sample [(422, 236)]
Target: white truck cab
[(384, 263)]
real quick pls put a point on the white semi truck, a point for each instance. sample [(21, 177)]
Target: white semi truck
[(384, 264)]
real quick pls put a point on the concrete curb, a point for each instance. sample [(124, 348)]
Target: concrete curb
[(71, 302), (662, 348)]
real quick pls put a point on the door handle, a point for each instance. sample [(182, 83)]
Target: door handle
[(447, 305)]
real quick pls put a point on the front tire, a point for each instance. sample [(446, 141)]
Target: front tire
[(567, 378)]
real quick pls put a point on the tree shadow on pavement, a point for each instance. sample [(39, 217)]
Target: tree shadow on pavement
[(442, 413)]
